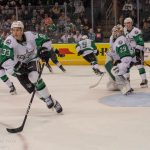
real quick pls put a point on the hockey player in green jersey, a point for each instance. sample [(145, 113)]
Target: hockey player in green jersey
[(121, 49), (88, 50), (136, 43), (20, 58), (3, 75), (54, 59)]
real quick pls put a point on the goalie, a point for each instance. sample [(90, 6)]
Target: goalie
[(118, 61)]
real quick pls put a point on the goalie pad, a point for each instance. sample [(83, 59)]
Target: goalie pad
[(111, 85), (108, 67), (123, 84)]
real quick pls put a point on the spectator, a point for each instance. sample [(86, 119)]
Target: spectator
[(70, 8), (64, 38), (56, 11), (91, 34), (79, 8), (127, 8), (146, 31), (47, 20), (77, 36), (99, 35)]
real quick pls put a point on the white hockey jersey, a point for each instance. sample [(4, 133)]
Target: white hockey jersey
[(87, 46), (120, 47), (134, 39), (25, 51)]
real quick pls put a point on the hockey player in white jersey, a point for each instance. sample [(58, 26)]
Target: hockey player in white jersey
[(89, 51), (136, 43), (20, 59), (4, 76), (121, 49)]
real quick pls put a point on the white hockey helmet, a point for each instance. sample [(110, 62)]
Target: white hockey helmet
[(84, 37), (127, 20), (17, 24)]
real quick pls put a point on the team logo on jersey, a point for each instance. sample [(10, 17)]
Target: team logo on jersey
[(8, 41), (27, 55), (120, 42), (136, 32)]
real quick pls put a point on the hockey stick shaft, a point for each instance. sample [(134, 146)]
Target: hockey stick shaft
[(97, 83), (19, 129)]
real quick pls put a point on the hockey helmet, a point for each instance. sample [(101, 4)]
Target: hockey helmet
[(84, 37), (17, 24), (128, 20)]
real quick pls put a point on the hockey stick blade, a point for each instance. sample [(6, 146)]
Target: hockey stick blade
[(97, 83), (19, 129), (15, 130)]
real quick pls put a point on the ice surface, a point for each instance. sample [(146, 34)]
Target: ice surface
[(87, 122)]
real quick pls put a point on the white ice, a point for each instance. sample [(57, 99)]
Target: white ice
[(86, 123)]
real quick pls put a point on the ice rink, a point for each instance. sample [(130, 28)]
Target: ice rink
[(92, 119)]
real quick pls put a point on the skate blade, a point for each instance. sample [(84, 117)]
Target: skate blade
[(144, 86), (13, 93), (129, 93)]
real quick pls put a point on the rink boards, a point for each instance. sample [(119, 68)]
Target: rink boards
[(71, 57)]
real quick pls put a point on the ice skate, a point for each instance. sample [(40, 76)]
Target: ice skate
[(130, 91), (62, 68), (98, 72), (144, 83), (12, 90), (49, 102), (58, 107)]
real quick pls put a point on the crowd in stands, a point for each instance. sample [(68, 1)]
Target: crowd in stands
[(129, 9), (65, 21), (62, 21)]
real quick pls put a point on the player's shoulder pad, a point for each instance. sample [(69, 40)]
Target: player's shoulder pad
[(136, 31), (10, 41), (30, 34), (120, 40)]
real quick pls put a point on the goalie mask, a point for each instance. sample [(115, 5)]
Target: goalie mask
[(117, 31)]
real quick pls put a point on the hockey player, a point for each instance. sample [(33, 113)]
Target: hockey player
[(20, 59), (112, 59), (120, 47), (88, 50), (136, 43), (3, 75), (53, 58)]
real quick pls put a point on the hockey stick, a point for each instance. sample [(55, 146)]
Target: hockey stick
[(97, 83), (19, 129)]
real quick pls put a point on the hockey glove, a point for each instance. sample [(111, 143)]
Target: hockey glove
[(21, 68), (44, 54), (58, 53), (139, 54), (80, 52), (96, 52)]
